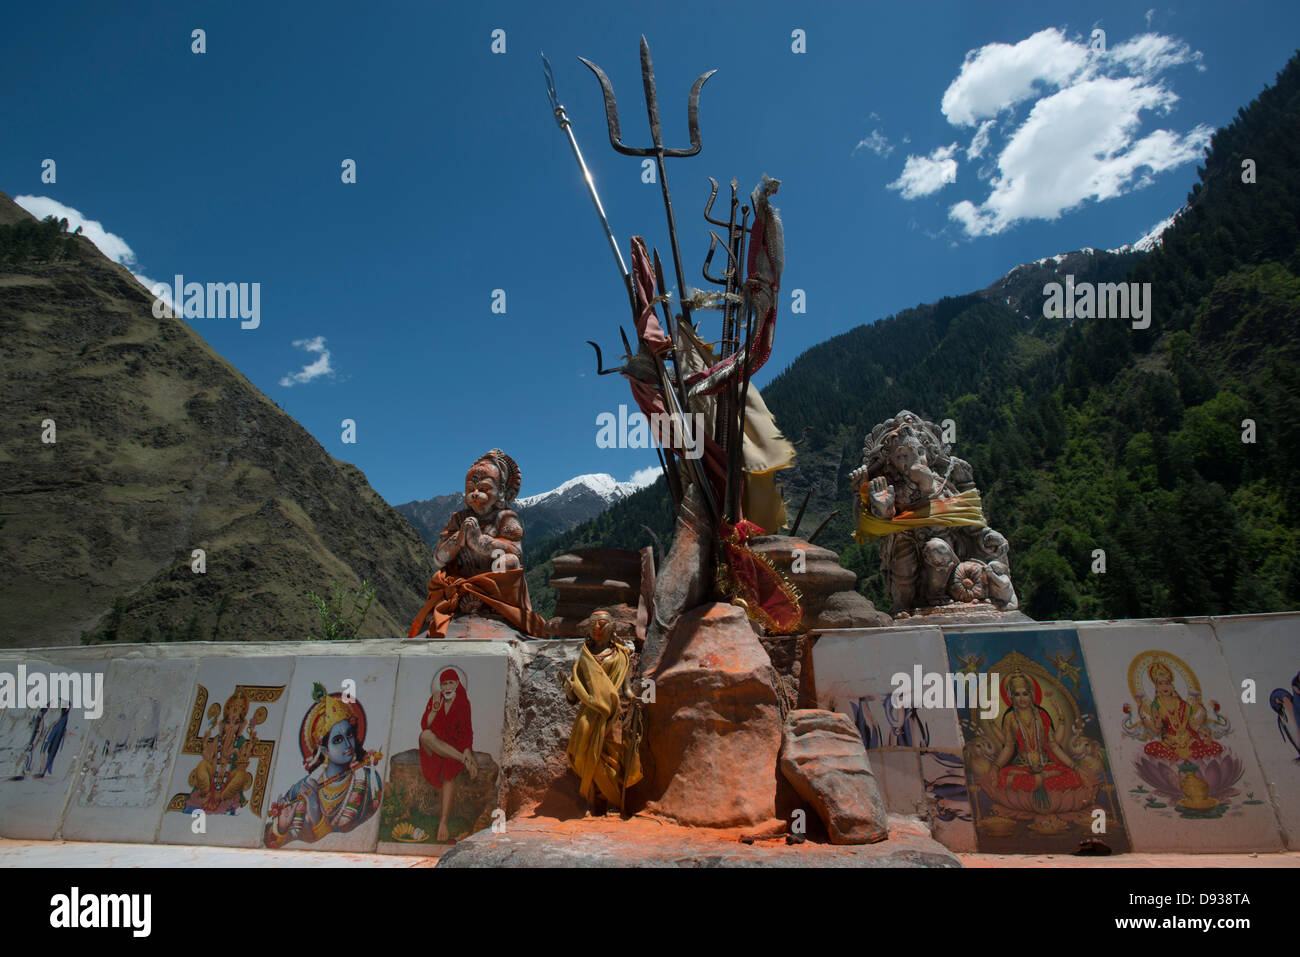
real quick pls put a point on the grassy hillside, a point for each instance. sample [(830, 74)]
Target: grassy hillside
[(162, 447)]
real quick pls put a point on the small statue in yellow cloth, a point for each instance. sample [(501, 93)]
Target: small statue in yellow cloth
[(606, 761)]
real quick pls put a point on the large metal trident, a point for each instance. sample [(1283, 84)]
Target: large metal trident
[(657, 149)]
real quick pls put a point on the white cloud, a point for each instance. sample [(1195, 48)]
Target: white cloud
[(1000, 75), (314, 370), (1076, 145), (1083, 138), (877, 142), (110, 244), (1151, 53), (1151, 15), (646, 476), (980, 142), (923, 175)]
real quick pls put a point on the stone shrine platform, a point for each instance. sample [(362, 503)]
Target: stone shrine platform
[(121, 772)]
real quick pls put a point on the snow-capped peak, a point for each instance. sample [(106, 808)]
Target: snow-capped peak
[(602, 483), (1055, 260), (1152, 238)]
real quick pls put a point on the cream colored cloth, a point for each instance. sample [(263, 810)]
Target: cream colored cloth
[(765, 450)]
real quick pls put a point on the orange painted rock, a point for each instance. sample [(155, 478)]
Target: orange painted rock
[(480, 628), (714, 730), (823, 758), (685, 577)]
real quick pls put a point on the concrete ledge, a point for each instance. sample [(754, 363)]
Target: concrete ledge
[(648, 842)]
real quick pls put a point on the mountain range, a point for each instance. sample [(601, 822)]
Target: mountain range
[(148, 491), (544, 515), (1168, 450)]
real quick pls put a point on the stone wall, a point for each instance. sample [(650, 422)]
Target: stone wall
[(1167, 735), (220, 728)]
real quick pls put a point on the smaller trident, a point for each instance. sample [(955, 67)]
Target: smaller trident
[(657, 150)]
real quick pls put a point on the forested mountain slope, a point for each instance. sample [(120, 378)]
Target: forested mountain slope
[(1091, 434)]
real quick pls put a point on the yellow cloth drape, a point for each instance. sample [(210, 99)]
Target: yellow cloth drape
[(595, 756), (962, 509), (761, 502)]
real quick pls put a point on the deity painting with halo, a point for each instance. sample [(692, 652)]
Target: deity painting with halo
[(1182, 760), (348, 788), (1036, 769), (447, 742), (1032, 760), (443, 777)]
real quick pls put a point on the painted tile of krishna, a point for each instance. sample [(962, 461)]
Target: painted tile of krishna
[(346, 791)]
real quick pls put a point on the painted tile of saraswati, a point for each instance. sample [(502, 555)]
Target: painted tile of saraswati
[(226, 756), (1183, 762), (447, 735), (1037, 770)]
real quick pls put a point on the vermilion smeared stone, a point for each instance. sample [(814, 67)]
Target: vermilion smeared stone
[(823, 758), (714, 730)]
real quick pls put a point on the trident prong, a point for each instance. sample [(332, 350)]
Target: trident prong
[(714, 242), (708, 207), (652, 106), (657, 148), (600, 361)]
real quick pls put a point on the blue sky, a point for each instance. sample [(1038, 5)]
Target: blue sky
[(924, 149)]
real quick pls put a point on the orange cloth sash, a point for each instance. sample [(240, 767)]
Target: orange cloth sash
[(506, 593)]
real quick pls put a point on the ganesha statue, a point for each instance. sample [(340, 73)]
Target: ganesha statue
[(479, 556), (921, 502)]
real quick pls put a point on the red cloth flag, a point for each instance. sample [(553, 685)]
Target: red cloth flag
[(764, 262)]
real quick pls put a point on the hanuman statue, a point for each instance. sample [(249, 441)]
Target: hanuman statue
[(479, 556)]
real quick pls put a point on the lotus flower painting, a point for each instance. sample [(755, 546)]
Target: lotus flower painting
[(1184, 765)]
